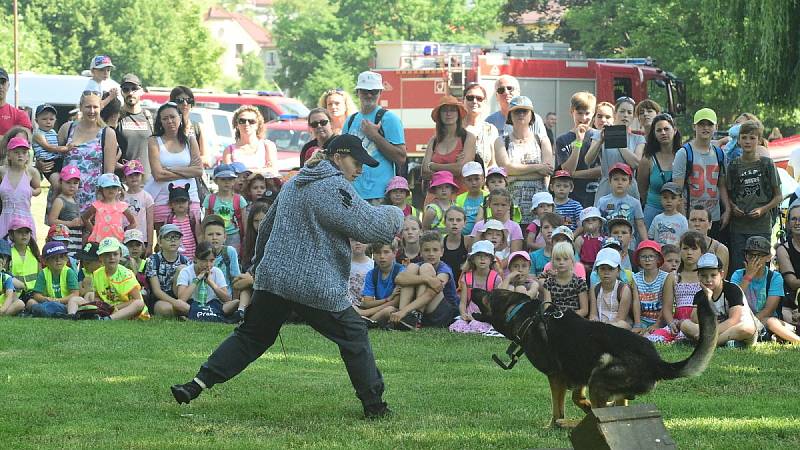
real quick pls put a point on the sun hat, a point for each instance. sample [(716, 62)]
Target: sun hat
[(369, 81), (107, 180), (709, 261), (518, 102), (471, 168), (169, 228), (70, 173), (522, 254), (670, 186), (590, 212), (448, 100), (542, 197), (133, 166), (348, 144), (564, 231), (607, 257), (497, 170), (100, 62), (562, 174), (58, 232), (652, 245), (45, 107), (17, 142), (705, 114), (224, 171), (54, 248), (611, 241), (88, 252), (108, 245), (5, 248), (493, 224), (397, 182), (18, 222), (482, 247), (442, 177), (757, 244), (621, 167), (134, 234)]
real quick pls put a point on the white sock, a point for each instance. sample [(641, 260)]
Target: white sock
[(200, 382)]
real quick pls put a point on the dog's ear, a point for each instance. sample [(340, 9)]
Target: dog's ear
[(482, 299)]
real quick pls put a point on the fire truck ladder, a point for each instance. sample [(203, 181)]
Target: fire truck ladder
[(457, 73)]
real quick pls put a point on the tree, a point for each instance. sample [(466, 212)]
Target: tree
[(251, 71)]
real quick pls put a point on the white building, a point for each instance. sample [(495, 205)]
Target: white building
[(239, 34)]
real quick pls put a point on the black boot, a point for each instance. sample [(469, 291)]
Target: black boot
[(184, 393)]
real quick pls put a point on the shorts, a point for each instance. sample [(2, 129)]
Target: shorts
[(442, 316), (57, 166), (49, 309)]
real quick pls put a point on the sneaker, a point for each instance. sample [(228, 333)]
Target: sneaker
[(412, 320), (371, 324), (235, 317), (377, 411), (184, 393)]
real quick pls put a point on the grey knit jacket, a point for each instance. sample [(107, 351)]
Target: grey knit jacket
[(302, 250)]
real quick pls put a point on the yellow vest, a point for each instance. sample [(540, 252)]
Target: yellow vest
[(48, 282), (114, 289), (27, 270)]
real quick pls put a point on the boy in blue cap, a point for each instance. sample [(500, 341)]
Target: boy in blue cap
[(227, 204), (10, 305), (56, 284)]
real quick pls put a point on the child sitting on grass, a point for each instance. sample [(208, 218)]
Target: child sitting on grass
[(518, 277), (478, 272), (204, 288), (652, 285), (442, 187), (89, 262), (56, 285), (10, 305), (381, 296), (562, 287), (114, 285), (134, 242), (610, 299), (428, 293), (227, 260), (161, 270)]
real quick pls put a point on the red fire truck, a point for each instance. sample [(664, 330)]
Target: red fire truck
[(417, 74)]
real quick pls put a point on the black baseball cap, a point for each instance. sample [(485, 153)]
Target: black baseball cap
[(3, 74), (45, 107), (88, 252), (350, 145)]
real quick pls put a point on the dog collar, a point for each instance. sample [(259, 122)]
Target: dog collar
[(515, 310)]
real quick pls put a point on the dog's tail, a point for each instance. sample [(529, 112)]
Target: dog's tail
[(697, 362)]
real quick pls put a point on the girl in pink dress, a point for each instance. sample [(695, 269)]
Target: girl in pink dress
[(18, 183), (478, 273), (108, 211)]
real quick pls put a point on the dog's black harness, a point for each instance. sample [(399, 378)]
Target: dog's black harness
[(515, 350)]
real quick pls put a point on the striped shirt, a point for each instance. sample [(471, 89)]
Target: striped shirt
[(44, 155), (570, 211)]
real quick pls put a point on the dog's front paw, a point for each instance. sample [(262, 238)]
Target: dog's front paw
[(564, 423)]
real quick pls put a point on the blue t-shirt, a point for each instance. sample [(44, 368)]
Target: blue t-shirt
[(372, 182), (232, 269), (471, 207), (757, 292), (538, 261), (378, 287), (570, 211), (449, 289)]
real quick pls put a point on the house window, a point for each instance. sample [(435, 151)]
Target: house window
[(272, 58), (239, 50)]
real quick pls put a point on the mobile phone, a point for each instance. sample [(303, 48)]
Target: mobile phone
[(615, 136)]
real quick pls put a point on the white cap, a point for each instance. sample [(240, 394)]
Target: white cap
[(369, 81), (708, 261), (482, 247), (541, 197), (471, 168), (563, 230), (590, 212), (608, 257), (493, 224)]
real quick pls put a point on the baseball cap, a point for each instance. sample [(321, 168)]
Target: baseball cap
[(5, 248), (17, 142), (169, 228), (608, 257), (239, 167), (493, 224), (397, 182), (519, 253), (88, 252), (757, 244), (652, 245), (101, 61), (617, 220), (350, 145), (562, 174), (471, 168), (45, 107), (133, 166), (224, 171), (497, 170), (177, 193), (482, 247), (212, 218), (130, 79), (705, 114), (54, 248), (108, 180), (709, 261), (19, 222), (590, 212), (669, 186), (3, 74), (133, 235), (542, 197), (70, 173), (611, 241), (622, 167), (58, 232), (518, 102), (369, 81), (564, 231), (108, 245)]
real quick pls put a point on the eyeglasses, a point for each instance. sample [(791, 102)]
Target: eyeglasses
[(647, 257), (130, 88), (318, 123), (370, 91), (626, 99), (473, 98), (172, 237), (186, 101), (503, 89), (241, 121), (87, 93)]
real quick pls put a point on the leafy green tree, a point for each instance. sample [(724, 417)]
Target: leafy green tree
[(251, 71)]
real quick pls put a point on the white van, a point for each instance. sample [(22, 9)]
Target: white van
[(61, 91)]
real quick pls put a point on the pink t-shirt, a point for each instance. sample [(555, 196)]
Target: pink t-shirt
[(137, 205), (578, 269), (108, 219), (533, 227), (514, 232)]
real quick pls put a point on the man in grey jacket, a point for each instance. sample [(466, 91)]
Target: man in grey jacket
[(303, 265)]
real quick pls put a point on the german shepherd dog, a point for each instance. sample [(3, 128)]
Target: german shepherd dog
[(615, 364)]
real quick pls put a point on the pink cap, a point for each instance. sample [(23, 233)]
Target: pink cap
[(521, 254), (133, 166), (18, 222), (443, 177), (70, 173), (18, 142), (497, 169), (623, 167), (397, 183)]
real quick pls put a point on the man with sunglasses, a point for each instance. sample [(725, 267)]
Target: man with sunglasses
[(381, 133), (135, 124), (9, 115), (507, 87)]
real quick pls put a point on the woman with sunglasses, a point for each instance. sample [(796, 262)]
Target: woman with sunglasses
[(340, 106), (174, 161), (184, 98), (258, 154), (663, 141), (320, 124), (452, 145), (474, 122)]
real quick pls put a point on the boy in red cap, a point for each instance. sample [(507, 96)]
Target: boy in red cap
[(620, 204)]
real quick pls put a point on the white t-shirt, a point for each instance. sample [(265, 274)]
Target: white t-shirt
[(358, 273), (187, 276), (104, 86), (668, 229)]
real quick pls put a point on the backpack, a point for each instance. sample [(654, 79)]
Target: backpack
[(690, 164), (619, 290), (94, 310), (237, 211), (399, 170), (733, 172)]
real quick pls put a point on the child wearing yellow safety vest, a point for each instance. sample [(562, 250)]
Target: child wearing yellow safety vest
[(24, 256), (115, 284), (10, 305), (56, 284)]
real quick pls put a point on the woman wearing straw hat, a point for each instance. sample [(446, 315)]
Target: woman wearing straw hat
[(452, 146)]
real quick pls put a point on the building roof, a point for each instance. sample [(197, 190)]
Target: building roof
[(551, 14), (254, 30)]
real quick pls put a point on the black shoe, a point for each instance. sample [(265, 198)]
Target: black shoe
[(377, 411), (411, 321), (184, 393), (235, 317), (370, 323)]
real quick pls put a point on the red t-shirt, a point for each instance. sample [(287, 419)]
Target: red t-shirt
[(11, 116)]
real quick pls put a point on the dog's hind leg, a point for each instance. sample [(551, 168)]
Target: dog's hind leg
[(580, 400), (558, 391)]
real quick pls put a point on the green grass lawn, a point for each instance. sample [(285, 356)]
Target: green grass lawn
[(72, 385)]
